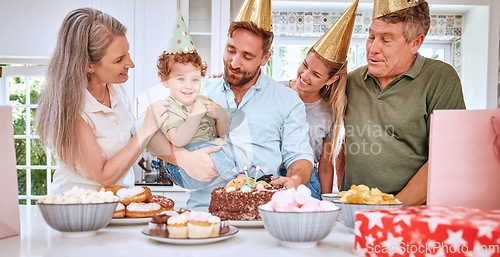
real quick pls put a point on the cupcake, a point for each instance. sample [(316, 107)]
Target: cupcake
[(170, 213), (198, 225), (215, 224), (158, 225), (159, 221), (177, 226), (224, 227)]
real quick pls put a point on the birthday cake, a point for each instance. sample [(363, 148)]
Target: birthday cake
[(239, 199)]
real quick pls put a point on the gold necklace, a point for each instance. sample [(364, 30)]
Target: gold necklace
[(105, 94)]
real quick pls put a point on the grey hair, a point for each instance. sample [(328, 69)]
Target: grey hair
[(417, 19), (83, 38)]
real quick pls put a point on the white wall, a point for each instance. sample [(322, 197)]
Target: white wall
[(29, 27), (475, 56), (493, 97), (154, 20)]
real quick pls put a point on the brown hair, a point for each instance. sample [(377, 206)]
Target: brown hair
[(83, 38), (267, 36), (164, 63), (336, 98), (417, 20)]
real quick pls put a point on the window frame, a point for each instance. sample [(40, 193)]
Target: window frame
[(27, 72), (309, 41)]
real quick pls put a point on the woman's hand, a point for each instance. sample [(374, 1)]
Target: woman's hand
[(155, 116)]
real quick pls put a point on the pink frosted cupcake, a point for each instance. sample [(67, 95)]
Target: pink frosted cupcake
[(215, 224), (177, 226), (198, 225)]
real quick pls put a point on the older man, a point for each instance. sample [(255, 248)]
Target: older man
[(390, 102), (268, 120)]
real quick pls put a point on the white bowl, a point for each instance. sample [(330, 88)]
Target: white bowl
[(330, 197), (77, 220), (299, 229), (348, 212)]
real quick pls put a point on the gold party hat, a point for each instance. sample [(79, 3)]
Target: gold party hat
[(258, 12), (383, 7), (334, 44), (180, 40)]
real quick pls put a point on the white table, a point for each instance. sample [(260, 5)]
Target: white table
[(38, 239)]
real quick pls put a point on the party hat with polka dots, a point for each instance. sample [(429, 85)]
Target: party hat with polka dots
[(180, 40)]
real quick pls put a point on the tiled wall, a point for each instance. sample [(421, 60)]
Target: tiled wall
[(297, 24), (314, 24)]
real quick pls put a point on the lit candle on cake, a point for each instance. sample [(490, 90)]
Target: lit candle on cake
[(256, 173), (246, 175)]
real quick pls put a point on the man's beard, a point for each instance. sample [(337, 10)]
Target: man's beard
[(238, 81)]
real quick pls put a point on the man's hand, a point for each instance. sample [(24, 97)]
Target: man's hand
[(198, 164), (215, 76), (287, 182), (298, 173)]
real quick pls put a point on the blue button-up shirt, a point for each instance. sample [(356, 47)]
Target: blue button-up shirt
[(268, 127)]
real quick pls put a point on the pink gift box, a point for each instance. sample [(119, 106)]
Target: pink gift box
[(428, 231)]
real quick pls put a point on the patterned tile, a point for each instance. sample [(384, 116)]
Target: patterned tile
[(315, 24)]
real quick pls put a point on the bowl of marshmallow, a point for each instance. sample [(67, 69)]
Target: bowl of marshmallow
[(297, 219), (78, 212)]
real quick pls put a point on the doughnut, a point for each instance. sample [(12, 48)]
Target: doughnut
[(166, 204), (136, 194), (142, 210), (120, 211), (112, 188)]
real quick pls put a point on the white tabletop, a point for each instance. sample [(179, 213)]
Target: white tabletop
[(38, 239)]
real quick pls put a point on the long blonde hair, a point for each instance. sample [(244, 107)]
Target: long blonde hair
[(83, 38), (336, 98)]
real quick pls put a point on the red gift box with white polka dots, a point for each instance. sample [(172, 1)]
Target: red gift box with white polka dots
[(428, 231)]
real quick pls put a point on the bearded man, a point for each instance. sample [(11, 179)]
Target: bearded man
[(268, 121)]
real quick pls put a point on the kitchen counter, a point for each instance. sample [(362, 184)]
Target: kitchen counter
[(38, 239)]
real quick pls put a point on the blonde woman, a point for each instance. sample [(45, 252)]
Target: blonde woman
[(84, 115), (321, 85)]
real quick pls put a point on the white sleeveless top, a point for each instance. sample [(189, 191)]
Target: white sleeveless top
[(111, 127)]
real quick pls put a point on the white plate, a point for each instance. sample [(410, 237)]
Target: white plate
[(130, 221), (192, 241), (247, 223)]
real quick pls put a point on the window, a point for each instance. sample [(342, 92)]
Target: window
[(291, 51), (20, 87)]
